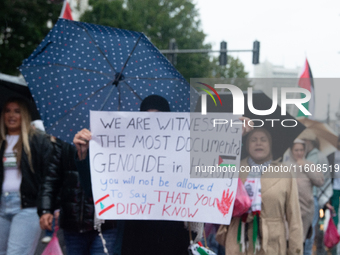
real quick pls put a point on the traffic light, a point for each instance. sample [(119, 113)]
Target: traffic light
[(256, 52), (223, 55), (172, 57)]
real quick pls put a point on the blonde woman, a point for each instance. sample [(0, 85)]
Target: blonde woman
[(25, 155)]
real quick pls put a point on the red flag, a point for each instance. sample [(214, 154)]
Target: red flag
[(66, 12), (306, 82)]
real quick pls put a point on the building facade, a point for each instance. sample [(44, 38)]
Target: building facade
[(267, 76)]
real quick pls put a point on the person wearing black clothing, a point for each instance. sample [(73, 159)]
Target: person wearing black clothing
[(61, 189), (140, 236)]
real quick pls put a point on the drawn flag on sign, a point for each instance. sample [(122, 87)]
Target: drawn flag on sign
[(226, 161), (101, 202)]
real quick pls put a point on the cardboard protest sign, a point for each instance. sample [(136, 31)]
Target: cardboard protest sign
[(143, 164)]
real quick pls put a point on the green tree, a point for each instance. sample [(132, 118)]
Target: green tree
[(23, 25), (233, 73), (160, 21)]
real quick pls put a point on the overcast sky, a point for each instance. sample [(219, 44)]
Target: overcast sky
[(289, 31)]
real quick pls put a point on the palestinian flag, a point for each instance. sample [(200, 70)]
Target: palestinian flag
[(66, 12), (224, 160), (306, 82)]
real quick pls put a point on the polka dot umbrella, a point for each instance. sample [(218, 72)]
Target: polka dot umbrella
[(80, 67)]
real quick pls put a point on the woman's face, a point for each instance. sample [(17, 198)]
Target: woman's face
[(12, 118), (259, 147), (298, 151)]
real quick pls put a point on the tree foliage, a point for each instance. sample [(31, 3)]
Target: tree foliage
[(23, 25), (160, 21)]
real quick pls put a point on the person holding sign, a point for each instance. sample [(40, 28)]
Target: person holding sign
[(275, 202), (25, 154), (144, 236), (140, 237)]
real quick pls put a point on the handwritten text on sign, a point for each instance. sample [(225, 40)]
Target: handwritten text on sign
[(140, 166)]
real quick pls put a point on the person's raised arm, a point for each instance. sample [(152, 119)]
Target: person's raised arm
[(81, 141), (249, 125), (51, 186)]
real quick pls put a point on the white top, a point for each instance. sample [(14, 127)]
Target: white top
[(12, 175)]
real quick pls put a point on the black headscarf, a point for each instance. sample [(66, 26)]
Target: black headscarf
[(155, 102)]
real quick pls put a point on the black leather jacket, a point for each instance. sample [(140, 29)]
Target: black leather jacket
[(62, 180), (40, 150)]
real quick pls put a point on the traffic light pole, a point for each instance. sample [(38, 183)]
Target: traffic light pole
[(173, 50), (200, 51)]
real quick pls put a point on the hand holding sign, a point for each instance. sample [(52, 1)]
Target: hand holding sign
[(248, 125), (81, 141)]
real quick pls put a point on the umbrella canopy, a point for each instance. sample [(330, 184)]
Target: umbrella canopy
[(282, 137), (11, 86), (80, 67), (328, 139)]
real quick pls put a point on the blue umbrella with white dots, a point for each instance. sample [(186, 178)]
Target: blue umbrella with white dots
[(80, 67)]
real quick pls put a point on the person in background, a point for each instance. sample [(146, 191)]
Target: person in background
[(305, 181), (321, 194), (38, 124), (25, 154), (275, 202), (76, 208), (210, 232), (334, 161)]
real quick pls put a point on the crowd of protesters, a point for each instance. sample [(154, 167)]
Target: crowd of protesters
[(41, 175)]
